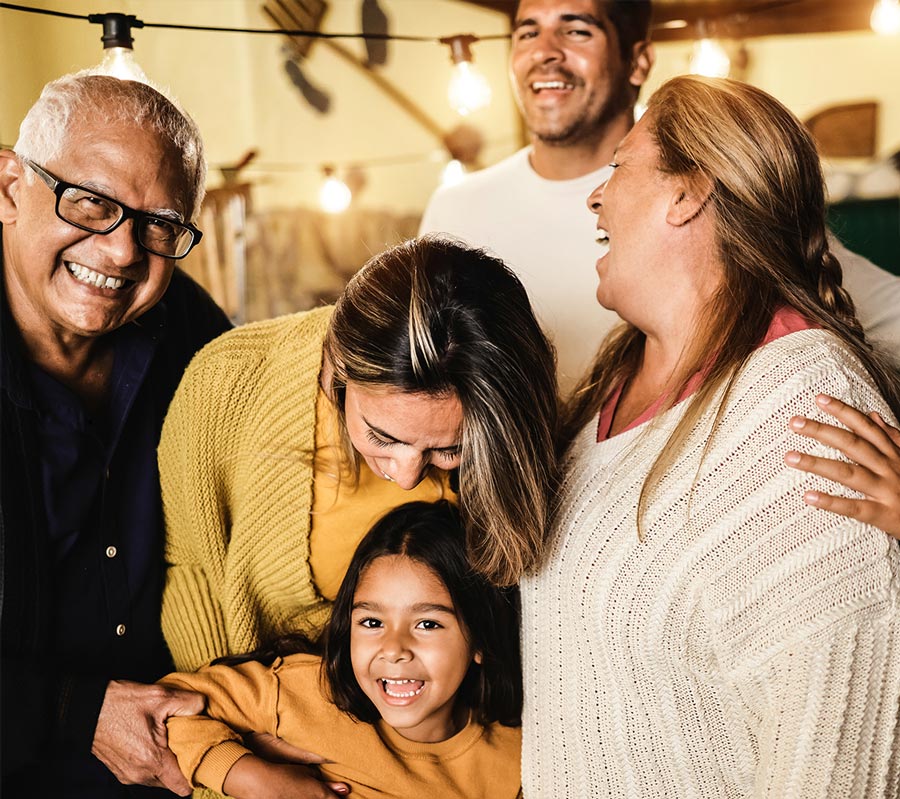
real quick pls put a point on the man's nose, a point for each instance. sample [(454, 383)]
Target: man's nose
[(121, 246), (545, 48)]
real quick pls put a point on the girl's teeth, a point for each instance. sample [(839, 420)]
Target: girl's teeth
[(391, 690)]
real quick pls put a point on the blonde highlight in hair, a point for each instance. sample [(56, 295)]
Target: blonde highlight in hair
[(768, 205), (432, 316)]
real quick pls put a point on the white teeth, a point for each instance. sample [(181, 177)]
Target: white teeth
[(550, 84), (603, 241), (401, 694), (93, 278)]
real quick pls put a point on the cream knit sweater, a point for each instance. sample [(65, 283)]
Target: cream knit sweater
[(749, 646)]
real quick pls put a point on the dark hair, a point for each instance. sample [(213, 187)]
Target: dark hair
[(631, 19), (431, 534), (432, 316)]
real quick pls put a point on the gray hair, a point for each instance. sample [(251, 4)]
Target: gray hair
[(104, 100)]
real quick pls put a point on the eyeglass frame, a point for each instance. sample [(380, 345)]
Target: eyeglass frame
[(59, 187)]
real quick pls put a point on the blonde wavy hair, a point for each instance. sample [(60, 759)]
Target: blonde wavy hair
[(768, 203)]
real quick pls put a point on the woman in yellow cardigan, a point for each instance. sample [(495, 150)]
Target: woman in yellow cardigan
[(431, 368)]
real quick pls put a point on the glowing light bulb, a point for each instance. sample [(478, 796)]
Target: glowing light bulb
[(468, 90), (885, 19), (453, 173), (335, 195), (119, 62), (708, 58), (118, 55)]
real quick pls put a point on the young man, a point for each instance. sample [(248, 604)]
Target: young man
[(576, 68)]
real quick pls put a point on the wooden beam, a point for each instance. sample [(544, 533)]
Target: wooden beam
[(743, 19)]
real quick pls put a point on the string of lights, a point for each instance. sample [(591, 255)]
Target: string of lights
[(137, 23)]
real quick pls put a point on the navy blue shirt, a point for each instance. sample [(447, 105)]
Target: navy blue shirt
[(82, 543)]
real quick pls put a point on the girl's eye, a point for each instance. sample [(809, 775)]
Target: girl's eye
[(614, 165), (378, 442), (428, 624), (370, 624), (449, 454)]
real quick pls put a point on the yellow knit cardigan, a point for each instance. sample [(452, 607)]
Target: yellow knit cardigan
[(236, 469)]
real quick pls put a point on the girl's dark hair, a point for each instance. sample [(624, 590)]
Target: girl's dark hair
[(432, 534)]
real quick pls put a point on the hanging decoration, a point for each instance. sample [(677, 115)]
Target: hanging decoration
[(118, 51), (468, 90)]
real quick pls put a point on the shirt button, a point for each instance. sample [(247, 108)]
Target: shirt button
[(120, 630), (111, 552)]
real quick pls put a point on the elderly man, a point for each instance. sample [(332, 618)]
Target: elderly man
[(576, 68), (96, 205)]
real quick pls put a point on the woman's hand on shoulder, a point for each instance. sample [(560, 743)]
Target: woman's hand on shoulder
[(255, 778), (872, 445)]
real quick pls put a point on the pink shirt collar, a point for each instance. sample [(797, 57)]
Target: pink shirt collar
[(785, 320)]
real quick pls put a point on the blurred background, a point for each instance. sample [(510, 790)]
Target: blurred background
[(324, 151)]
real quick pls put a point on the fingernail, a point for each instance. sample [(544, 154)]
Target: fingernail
[(823, 399), (812, 497), (798, 423), (792, 457)]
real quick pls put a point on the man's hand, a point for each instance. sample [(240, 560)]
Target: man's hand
[(875, 448), (130, 739)]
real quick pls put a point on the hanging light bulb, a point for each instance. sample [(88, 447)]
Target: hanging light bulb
[(335, 195), (885, 19), (710, 59), (453, 173), (118, 54), (468, 90)]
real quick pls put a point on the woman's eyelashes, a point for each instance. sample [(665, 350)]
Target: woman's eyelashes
[(443, 454)]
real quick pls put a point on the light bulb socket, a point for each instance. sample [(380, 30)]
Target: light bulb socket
[(116, 29), (460, 47)]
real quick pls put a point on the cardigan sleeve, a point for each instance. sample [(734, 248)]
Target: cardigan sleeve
[(199, 443), (805, 618)]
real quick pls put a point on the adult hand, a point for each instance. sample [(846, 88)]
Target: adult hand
[(873, 445), (130, 739), (255, 778), (277, 750)]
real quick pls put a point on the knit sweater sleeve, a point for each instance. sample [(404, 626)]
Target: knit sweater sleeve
[(236, 475), (239, 699), (803, 613)]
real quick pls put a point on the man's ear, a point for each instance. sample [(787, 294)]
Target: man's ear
[(10, 178), (643, 57), (690, 194)]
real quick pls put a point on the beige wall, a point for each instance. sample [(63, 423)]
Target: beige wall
[(809, 73), (236, 88)]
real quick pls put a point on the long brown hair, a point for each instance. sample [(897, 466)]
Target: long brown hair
[(433, 316), (768, 203)]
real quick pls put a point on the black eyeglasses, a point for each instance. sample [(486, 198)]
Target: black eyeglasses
[(88, 210)]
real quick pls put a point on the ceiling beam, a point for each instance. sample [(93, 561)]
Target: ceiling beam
[(743, 19)]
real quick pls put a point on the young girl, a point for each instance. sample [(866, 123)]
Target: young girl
[(420, 649)]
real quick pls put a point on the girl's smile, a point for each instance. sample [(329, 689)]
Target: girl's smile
[(409, 650)]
